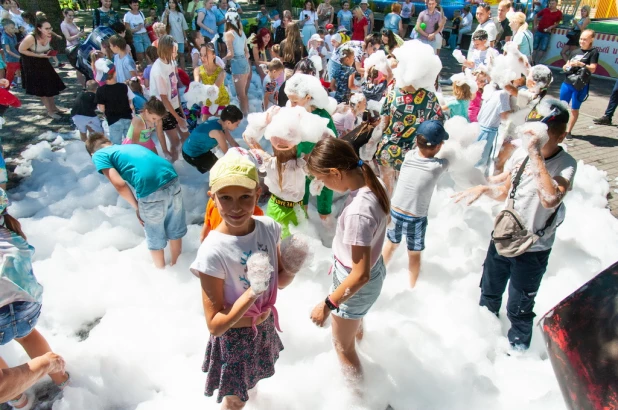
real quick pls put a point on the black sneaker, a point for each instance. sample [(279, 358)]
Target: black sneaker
[(569, 137), (603, 120)]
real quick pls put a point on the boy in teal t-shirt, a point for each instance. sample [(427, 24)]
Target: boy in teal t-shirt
[(158, 205)]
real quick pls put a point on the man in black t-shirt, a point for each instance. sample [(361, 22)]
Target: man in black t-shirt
[(582, 64), (114, 99), (502, 25)]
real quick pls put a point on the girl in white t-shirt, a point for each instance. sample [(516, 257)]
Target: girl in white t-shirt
[(358, 270), (241, 265), (285, 173), (164, 86), (196, 39)]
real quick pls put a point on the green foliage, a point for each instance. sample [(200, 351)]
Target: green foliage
[(69, 4), (148, 4)]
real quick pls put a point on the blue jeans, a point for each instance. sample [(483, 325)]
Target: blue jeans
[(163, 214), (118, 130), (541, 40), (17, 320), (525, 273), (613, 102), (488, 134), (452, 40)]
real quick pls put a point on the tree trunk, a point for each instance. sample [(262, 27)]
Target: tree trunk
[(51, 8), (283, 5)]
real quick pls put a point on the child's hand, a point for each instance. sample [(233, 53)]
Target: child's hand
[(319, 314), (472, 194), (315, 187), (4, 83), (295, 252), (259, 272)]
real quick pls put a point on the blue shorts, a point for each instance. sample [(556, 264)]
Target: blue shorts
[(119, 130), (413, 227), (359, 304), (240, 65), (181, 48), (163, 214), (573, 97), (17, 320), (541, 41), (141, 42)]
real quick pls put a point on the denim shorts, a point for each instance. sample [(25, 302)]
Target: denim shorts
[(569, 94), (163, 214), (17, 320), (240, 65), (541, 41), (413, 227), (141, 42), (118, 130), (359, 304)]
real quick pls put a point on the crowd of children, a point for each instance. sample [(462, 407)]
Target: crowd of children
[(345, 122)]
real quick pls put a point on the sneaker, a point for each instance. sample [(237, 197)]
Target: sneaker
[(569, 137), (603, 121)]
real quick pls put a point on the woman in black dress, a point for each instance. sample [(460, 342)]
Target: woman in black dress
[(39, 77)]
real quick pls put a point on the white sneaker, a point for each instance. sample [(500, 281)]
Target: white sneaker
[(2, 122)]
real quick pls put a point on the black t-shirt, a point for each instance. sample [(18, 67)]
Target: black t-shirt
[(115, 98), (282, 98), (585, 56), (506, 29), (85, 104)]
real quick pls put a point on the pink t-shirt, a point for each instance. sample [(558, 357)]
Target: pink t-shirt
[(225, 257), (475, 106), (362, 223), (344, 122)]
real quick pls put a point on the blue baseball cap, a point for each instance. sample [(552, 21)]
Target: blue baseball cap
[(433, 131), (274, 13)]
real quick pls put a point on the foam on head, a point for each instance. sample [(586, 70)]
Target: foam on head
[(460, 79), (508, 66), (379, 60), (295, 125), (542, 77), (418, 65), (303, 85)]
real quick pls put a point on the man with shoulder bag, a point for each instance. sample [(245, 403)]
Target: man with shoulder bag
[(534, 183)]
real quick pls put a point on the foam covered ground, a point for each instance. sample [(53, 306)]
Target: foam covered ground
[(134, 337)]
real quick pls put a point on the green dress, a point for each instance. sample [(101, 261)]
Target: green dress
[(325, 199)]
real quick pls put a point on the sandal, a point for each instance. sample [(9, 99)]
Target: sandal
[(24, 402), (65, 383), (53, 116)]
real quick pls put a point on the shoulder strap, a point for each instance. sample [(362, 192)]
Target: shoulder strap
[(517, 179), (549, 222), (142, 14)]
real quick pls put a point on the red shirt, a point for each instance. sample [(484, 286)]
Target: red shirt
[(547, 18), (358, 29)]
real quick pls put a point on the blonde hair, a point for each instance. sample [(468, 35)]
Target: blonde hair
[(462, 92), (275, 64), (166, 48), (519, 18)]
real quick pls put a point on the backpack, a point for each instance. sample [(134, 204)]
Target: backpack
[(510, 235)]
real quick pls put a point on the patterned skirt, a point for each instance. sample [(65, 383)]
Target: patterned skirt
[(238, 360)]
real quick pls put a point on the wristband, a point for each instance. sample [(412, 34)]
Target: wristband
[(330, 304)]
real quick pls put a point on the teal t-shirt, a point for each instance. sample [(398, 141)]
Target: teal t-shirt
[(141, 168), (200, 142), (459, 107)]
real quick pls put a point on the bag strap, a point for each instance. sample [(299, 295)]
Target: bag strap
[(517, 179), (549, 222)]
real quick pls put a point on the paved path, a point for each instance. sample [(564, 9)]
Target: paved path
[(594, 144)]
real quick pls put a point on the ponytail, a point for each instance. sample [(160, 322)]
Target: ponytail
[(335, 153), (13, 225)]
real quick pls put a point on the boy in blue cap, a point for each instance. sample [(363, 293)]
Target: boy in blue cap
[(419, 174)]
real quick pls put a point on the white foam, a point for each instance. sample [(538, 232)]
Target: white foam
[(431, 348)]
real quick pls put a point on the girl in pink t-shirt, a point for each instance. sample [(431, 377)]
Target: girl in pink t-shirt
[(358, 270), (475, 104)]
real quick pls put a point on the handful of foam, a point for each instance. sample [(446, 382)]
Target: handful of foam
[(315, 187), (508, 66), (418, 65), (295, 252), (459, 56), (259, 272)]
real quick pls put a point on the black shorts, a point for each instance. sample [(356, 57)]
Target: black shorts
[(203, 163), (169, 122)]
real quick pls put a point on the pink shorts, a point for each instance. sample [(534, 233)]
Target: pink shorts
[(148, 144), (206, 111)]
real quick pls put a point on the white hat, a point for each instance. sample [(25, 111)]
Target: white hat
[(316, 37), (364, 2)]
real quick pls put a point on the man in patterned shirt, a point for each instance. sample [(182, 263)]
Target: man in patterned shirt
[(403, 111)]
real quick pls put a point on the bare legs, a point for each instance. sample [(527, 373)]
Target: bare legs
[(572, 120), (232, 403), (414, 260), (35, 345), (344, 339), (389, 176), (566, 52), (158, 256), (240, 84), (50, 105), (174, 142)]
